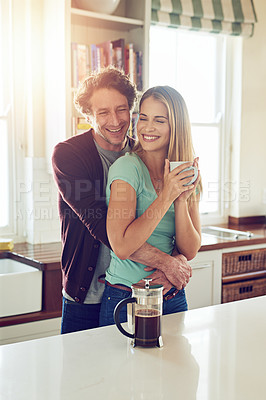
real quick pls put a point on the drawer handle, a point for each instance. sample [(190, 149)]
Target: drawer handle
[(202, 266), (246, 257), (246, 289)]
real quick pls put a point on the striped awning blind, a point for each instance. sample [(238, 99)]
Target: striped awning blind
[(231, 17)]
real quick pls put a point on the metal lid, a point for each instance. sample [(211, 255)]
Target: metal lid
[(146, 286)]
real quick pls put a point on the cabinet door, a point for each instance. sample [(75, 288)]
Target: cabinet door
[(199, 290)]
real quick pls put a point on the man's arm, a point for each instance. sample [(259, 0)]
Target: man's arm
[(176, 269)]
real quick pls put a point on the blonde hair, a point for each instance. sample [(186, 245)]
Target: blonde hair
[(180, 144)]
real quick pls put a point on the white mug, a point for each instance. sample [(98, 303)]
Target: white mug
[(174, 164)]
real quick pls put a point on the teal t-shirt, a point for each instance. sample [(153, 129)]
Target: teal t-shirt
[(131, 169)]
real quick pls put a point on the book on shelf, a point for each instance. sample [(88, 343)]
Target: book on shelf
[(74, 75), (133, 65), (80, 125), (90, 58), (139, 81), (129, 61), (95, 57), (106, 53), (119, 53), (133, 125), (118, 58), (80, 62)]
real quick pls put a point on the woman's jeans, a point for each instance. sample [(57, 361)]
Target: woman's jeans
[(79, 317), (112, 296)]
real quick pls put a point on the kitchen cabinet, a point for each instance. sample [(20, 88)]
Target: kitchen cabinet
[(30, 331), (243, 273), (204, 287), (208, 282), (64, 24)]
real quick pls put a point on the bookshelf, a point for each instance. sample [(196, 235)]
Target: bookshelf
[(70, 24), (128, 23)]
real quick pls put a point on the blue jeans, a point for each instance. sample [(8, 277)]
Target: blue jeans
[(79, 317), (112, 296)]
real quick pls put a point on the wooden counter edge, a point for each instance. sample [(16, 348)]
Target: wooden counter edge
[(31, 317), (233, 243)]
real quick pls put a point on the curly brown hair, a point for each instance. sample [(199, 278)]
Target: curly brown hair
[(109, 78)]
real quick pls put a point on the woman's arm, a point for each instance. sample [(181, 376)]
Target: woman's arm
[(127, 233), (188, 229), (121, 215), (187, 221)]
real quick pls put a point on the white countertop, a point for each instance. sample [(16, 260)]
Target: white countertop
[(212, 353)]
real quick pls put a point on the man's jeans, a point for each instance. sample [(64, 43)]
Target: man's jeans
[(79, 317), (112, 296)]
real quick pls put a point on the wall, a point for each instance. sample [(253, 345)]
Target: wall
[(252, 145), (28, 76), (36, 212), (36, 133)]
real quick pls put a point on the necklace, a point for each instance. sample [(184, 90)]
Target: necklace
[(157, 183)]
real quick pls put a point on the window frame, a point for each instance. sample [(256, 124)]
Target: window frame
[(225, 57), (6, 114)]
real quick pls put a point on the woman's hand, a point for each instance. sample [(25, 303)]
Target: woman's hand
[(174, 181), (185, 195)]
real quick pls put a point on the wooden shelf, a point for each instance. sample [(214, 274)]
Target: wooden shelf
[(106, 21)]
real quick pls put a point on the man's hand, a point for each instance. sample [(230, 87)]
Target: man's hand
[(177, 271), (175, 267), (159, 278)]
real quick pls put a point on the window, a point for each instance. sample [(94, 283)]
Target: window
[(6, 198), (194, 64)]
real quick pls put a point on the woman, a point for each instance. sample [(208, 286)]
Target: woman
[(149, 203)]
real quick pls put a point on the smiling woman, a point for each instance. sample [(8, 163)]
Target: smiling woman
[(149, 203), (164, 134)]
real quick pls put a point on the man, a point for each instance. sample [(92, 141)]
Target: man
[(80, 167)]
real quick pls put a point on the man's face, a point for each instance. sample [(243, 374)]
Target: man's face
[(110, 119)]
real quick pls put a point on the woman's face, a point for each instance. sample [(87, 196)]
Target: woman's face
[(153, 127)]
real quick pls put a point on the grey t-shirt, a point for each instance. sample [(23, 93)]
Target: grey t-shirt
[(96, 289)]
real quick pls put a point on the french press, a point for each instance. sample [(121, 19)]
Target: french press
[(144, 310)]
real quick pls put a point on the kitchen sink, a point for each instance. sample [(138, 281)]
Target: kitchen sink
[(225, 233), (20, 288)]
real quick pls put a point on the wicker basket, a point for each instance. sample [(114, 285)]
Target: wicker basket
[(243, 290), (243, 261)]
